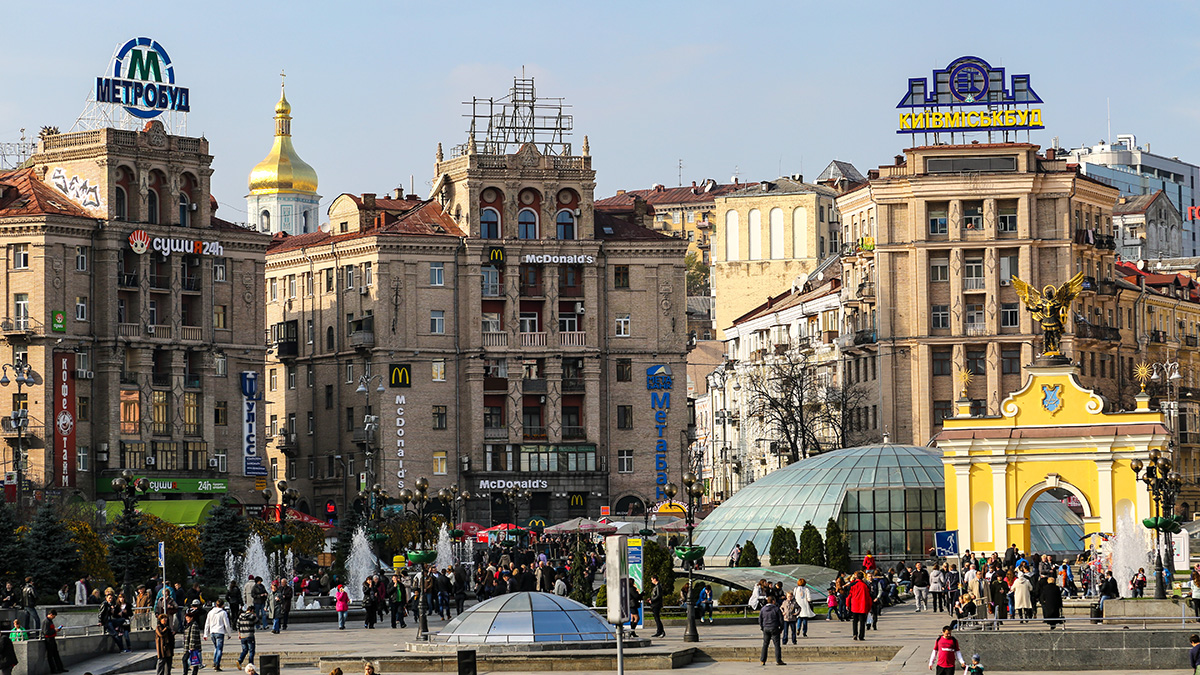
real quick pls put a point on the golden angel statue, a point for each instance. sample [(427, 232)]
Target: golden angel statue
[(1050, 308)]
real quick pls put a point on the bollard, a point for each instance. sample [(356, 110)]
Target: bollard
[(466, 662), (268, 664)]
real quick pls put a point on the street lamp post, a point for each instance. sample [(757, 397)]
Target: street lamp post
[(515, 496), (693, 490), (287, 497), (370, 422), (130, 491), (375, 499), (418, 499), (23, 375), (1164, 485), (460, 516)]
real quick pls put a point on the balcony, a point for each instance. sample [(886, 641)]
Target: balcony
[(572, 338), (495, 339), (534, 433), (285, 441), (570, 291), (495, 383), (191, 381), (160, 281), (537, 386), (21, 326), (29, 432), (866, 290), (160, 379), (573, 384), (191, 429), (975, 328), (128, 330), (127, 279), (973, 284), (159, 331), (1106, 241), (191, 283), (1107, 287), (1089, 284), (194, 333), (573, 432), (362, 338), (287, 349), (532, 291), (1090, 331), (1191, 340), (495, 433), (128, 377), (865, 337), (1158, 336), (533, 339), (493, 289), (360, 435)]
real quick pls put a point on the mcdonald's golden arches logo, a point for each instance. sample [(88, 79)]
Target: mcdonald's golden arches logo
[(399, 375), (496, 255), (536, 522), (576, 499)]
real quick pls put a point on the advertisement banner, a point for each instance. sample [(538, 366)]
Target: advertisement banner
[(252, 459), (64, 419)]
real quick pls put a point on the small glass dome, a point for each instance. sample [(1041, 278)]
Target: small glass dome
[(527, 617)]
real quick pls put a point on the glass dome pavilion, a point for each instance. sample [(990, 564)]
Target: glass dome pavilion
[(888, 498), (527, 617)]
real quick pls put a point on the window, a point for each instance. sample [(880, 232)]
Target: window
[(624, 417), (437, 321), (624, 370), (368, 274), (329, 339), (83, 408), (220, 364), (1006, 215), (973, 215), (973, 275), (622, 325), (898, 522), (152, 207), (1009, 315), (439, 417), (273, 378), (942, 362), (274, 469), (81, 309), (81, 258), (20, 256), (624, 461), (191, 413), (1010, 361), (329, 397), (1009, 267), (82, 458), (349, 374), (937, 219), (119, 206), (348, 274), (528, 322), (527, 224), (291, 377), (264, 220), (940, 316), (975, 320), (489, 224), (939, 269), (566, 225), (309, 331), (222, 458), (219, 273), (491, 322), (490, 279), (21, 310), (977, 361), (439, 370), (308, 376), (312, 423), (160, 413), (221, 414), (274, 290), (439, 462), (133, 455), (308, 283), (219, 316), (437, 274), (978, 407), (329, 280), (493, 417), (621, 276), (291, 285), (941, 411)]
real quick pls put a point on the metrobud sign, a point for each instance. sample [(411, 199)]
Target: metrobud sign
[(142, 80)]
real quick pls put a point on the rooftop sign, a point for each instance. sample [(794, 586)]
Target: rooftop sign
[(142, 80), (969, 82)]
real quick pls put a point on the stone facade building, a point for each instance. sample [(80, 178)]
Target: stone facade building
[(126, 293)]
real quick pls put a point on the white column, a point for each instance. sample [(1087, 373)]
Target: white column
[(962, 479), (999, 507), (1105, 509)]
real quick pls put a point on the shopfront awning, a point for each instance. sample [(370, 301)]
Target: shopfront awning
[(177, 511)]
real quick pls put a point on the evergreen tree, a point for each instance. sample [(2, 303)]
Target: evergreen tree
[(12, 559), (749, 555), (783, 546), (581, 591), (812, 548), (837, 548), (51, 557), (226, 530), (141, 559), (656, 560)]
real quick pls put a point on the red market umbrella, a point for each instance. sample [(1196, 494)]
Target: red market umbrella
[(504, 527), (470, 529)]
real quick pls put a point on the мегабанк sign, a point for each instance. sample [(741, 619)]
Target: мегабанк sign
[(143, 81), (659, 382)]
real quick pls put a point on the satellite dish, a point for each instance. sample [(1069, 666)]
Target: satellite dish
[(325, 228)]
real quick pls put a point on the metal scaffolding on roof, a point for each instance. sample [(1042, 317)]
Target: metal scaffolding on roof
[(500, 126)]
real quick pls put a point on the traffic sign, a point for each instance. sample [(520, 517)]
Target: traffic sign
[(945, 544), (162, 554)]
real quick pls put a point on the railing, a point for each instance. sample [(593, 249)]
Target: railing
[(360, 435), (492, 289), (191, 429), (191, 283), (1089, 283), (866, 289), (362, 338), (160, 429), (533, 433), (1158, 336), (127, 279), (161, 281), (160, 379), (531, 290), (160, 331), (573, 384), (533, 386), (573, 432), (191, 333), (1107, 287), (973, 283), (573, 338), (975, 329), (570, 291), (1091, 331), (287, 348), (1106, 241), (128, 377), (191, 381), (495, 433), (864, 337), (1191, 340), (31, 431), (533, 339), (495, 339), (129, 330), (491, 383)]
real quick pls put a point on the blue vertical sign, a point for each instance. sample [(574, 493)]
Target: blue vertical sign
[(162, 554), (658, 383)]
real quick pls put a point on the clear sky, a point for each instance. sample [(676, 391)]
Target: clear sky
[(763, 88)]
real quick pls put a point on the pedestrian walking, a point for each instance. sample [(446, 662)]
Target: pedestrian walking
[(50, 641), (192, 633), (802, 594), (164, 645), (8, 655), (1193, 655), (859, 601), (216, 627), (656, 605), (920, 586), (937, 586), (976, 668), (1023, 598), (341, 604), (246, 623), (770, 621), (399, 601), (791, 613), (1051, 599), (945, 652)]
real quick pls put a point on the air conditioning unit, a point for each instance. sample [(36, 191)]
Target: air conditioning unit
[(363, 290), (579, 308), (1006, 282), (150, 461), (193, 206), (84, 375), (150, 329), (212, 463)]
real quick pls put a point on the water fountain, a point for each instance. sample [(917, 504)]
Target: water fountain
[(1127, 550), (233, 569), (256, 562), (445, 549), (360, 565)]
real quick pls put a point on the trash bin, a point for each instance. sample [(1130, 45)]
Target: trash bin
[(1097, 613), (466, 662), (268, 664)]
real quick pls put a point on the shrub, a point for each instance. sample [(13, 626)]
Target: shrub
[(749, 556), (601, 597), (812, 547), (837, 548), (734, 598), (783, 546)]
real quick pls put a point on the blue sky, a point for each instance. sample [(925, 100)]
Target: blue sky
[(766, 88)]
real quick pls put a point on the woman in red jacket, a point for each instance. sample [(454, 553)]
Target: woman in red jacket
[(860, 605)]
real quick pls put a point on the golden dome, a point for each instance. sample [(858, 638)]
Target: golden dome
[(283, 170)]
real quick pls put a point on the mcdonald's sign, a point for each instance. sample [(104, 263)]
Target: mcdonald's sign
[(576, 499), (495, 255), (400, 375)]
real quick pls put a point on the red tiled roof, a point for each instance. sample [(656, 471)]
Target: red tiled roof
[(382, 204), (1136, 203), (623, 230), (25, 195), (427, 218), (669, 195)]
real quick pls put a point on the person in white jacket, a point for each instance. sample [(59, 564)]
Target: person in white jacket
[(216, 627), (802, 594)]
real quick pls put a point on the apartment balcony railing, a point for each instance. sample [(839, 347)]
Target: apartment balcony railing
[(492, 289), (533, 339), (533, 386), (975, 329), (160, 379), (495, 339), (573, 338), (129, 330), (495, 433), (534, 433), (127, 279), (572, 432), (1158, 336), (866, 289), (191, 283), (865, 337), (495, 383), (973, 283), (195, 333), (573, 384), (160, 281), (362, 338), (191, 381)]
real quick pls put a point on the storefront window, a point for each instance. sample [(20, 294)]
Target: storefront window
[(893, 523)]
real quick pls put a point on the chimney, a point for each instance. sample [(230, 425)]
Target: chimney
[(1050, 153), (872, 174), (368, 200), (639, 211), (620, 192), (398, 193), (735, 180), (899, 160), (413, 198)]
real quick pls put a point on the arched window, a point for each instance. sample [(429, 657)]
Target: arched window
[(184, 207), (304, 222), (731, 235), (119, 207), (264, 220), (566, 225), (776, 221), (152, 207), (527, 225), (755, 234), (489, 224), (799, 232), (329, 339)]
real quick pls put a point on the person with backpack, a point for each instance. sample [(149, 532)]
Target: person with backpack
[(945, 652)]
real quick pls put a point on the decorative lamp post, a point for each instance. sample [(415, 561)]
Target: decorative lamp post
[(375, 499), (692, 490), (460, 515), (419, 498), (515, 496), (287, 498), (130, 491), (370, 422), (1163, 485), (19, 420)]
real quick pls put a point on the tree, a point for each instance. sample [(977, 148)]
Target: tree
[(749, 557), (50, 554), (140, 558), (182, 546), (656, 561), (225, 531), (697, 275), (783, 546), (93, 552), (581, 590), (837, 547), (812, 548), (12, 559)]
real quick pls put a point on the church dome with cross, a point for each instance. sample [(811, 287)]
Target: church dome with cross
[(283, 188)]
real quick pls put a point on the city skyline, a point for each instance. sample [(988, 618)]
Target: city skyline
[(650, 89)]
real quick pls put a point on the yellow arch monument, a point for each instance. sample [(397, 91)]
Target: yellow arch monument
[(1053, 434)]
